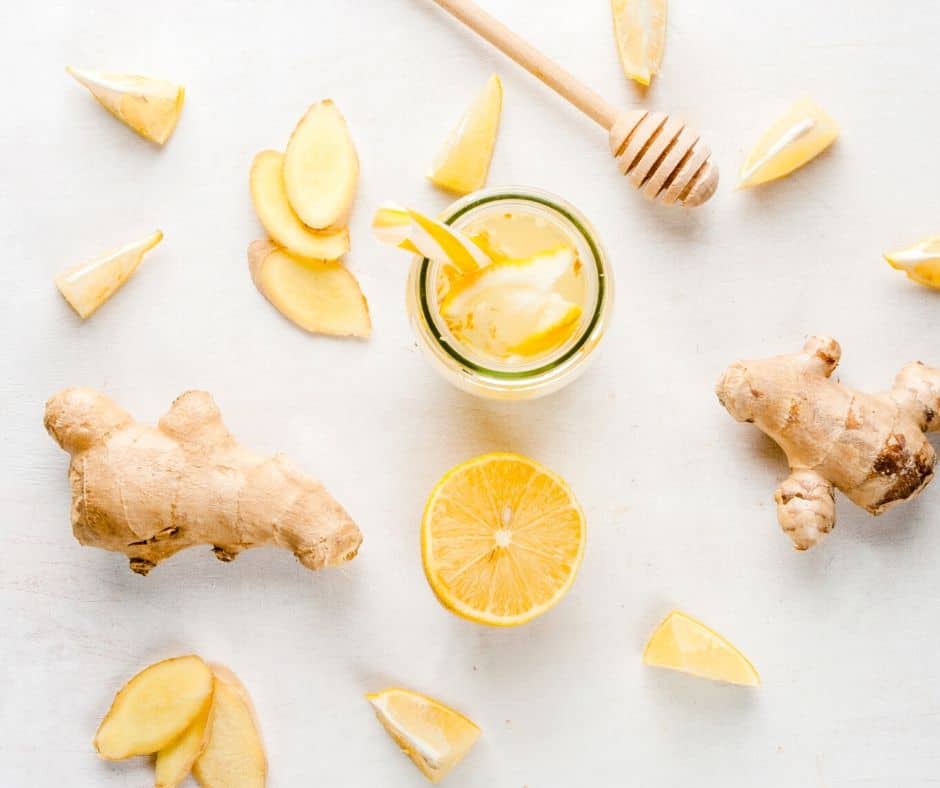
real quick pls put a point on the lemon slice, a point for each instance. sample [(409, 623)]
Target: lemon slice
[(797, 137), (684, 644), (419, 234), (512, 307), (921, 262), (640, 29), (433, 735), (463, 162), (501, 539)]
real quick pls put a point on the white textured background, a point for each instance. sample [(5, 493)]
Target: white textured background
[(679, 497)]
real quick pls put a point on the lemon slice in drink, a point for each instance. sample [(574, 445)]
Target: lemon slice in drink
[(921, 262), (512, 307), (433, 735), (684, 644), (501, 540)]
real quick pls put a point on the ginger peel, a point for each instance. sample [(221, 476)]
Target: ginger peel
[(872, 447), (149, 492)]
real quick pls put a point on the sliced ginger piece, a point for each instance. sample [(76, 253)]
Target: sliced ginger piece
[(151, 107), (684, 644), (269, 196), (319, 296), (321, 168), (154, 708), (463, 162), (234, 756), (640, 30), (175, 761), (86, 286), (796, 138), (433, 735), (921, 262)]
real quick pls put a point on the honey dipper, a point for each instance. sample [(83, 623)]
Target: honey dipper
[(663, 157)]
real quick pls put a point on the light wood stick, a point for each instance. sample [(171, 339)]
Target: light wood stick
[(527, 56)]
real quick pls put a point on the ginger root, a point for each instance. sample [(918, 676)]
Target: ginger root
[(872, 447), (150, 492)]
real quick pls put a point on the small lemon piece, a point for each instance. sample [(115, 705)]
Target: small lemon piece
[(640, 29), (433, 735), (795, 138), (151, 107), (684, 644), (463, 162), (512, 307), (921, 262), (501, 540)]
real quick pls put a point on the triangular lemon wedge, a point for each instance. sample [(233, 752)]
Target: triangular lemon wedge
[(795, 138), (684, 644), (463, 162), (433, 735), (921, 262), (640, 29), (151, 107), (512, 307), (86, 286)]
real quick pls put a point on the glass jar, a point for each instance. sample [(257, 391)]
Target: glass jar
[(514, 378)]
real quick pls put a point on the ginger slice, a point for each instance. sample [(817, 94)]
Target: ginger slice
[(86, 286), (175, 761), (463, 163), (234, 756), (154, 708), (151, 107), (269, 196), (321, 168), (319, 296)]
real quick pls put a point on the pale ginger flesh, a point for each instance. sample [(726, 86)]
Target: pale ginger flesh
[(149, 492), (872, 447)]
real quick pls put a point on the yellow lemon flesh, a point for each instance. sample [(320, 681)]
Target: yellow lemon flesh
[(640, 29), (502, 539), (797, 137), (463, 163), (684, 644), (921, 262), (514, 307), (433, 735)]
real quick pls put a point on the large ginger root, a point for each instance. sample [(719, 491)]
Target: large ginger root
[(150, 492), (872, 447)]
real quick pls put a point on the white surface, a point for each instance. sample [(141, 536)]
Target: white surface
[(679, 497)]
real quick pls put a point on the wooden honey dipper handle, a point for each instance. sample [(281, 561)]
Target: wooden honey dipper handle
[(662, 157)]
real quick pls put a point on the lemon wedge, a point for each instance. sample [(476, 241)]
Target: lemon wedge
[(501, 540), (921, 262), (433, 735), (640, 29), (463, 162), (795, 138), (511, 307), (684, 644), (419, 234)]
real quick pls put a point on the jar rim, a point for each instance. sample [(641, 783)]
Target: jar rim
[(569, 353)]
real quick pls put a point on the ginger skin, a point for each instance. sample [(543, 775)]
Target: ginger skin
[(872, 447), (149, 492)]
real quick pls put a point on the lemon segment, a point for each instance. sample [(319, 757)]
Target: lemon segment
[(433, 735), (501, 540), (921, 262), (684, 644), (419, 234), (463, 162), (795, 138), (512, 307), (640, 30)]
